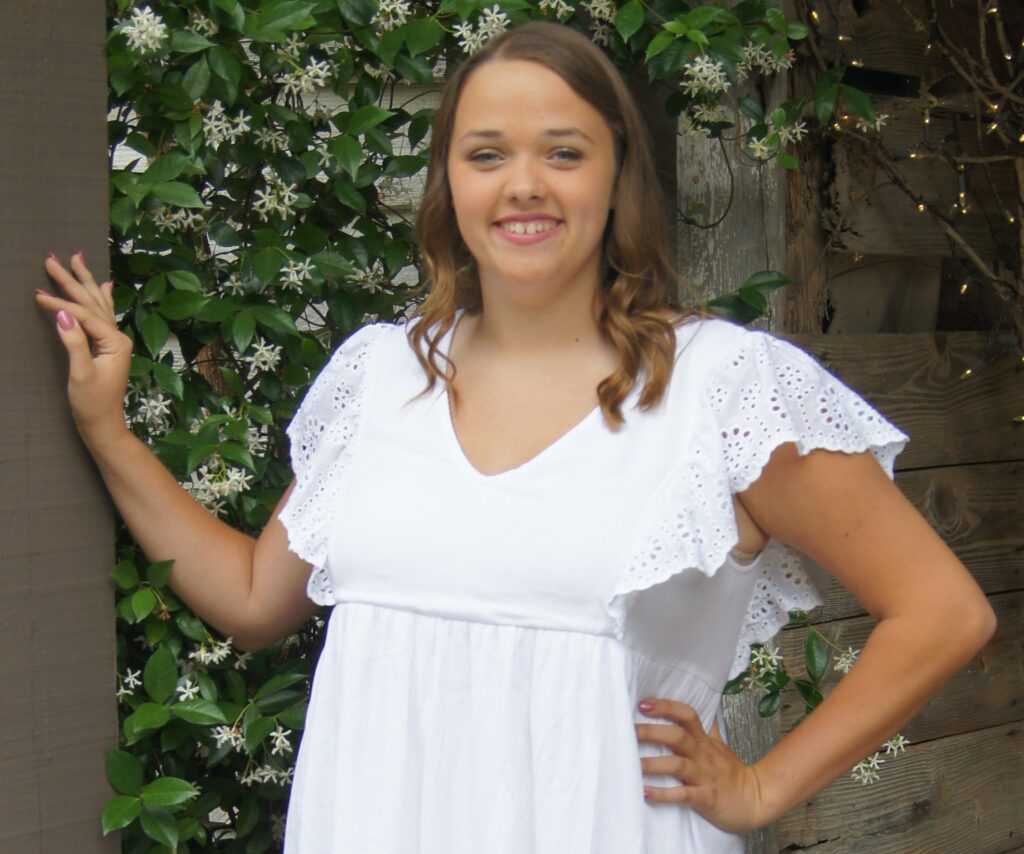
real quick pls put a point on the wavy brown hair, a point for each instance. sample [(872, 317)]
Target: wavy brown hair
[(639, 308)]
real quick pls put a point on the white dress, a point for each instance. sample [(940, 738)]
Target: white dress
[(492, 635)]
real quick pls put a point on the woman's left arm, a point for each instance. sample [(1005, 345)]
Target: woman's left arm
[(844, 512)]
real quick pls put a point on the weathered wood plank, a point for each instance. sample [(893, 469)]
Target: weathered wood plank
[(883, 294), (917, 381), (958, 795), (873, 216), (979, 512), (988, 692)]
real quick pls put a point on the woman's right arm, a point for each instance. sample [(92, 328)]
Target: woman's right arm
[(250, 589)]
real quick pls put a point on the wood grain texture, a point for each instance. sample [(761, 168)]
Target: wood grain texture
[(882, 294), (957, 795), (57, 652), (988, 692), (916, 380)]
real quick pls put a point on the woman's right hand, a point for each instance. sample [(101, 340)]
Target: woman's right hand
[(99, 354)]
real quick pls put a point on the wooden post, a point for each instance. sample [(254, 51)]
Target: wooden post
[(57, 653)]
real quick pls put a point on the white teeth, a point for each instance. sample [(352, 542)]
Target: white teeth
[(533, 226)]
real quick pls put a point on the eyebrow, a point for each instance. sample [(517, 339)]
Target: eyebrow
[(556, 133)]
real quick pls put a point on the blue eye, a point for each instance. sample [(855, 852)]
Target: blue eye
[(567, 155)]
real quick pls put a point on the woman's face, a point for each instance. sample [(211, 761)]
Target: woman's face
[(531, 167)]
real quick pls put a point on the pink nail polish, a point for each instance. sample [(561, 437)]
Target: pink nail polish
[(647, 793), (65, 320), (646, 706), (53, 257), (43, 291)]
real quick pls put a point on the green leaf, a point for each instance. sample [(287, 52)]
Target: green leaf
[(422, 35), (860, 102), (629, 19), (160, 675), (186, 41), (190, 626), (751, 108), (266, 264), (168, 379), (183, 280), (199, 711), (143, 602), (198, 454), (766, 280), (243, 327), (226, 68), (120, 811), (769, 704), (160, 826), (775, 19), (124, 772), (405, 165), (277, 683), (235, 453), (168, 791), (697, 37), (816, 654), (154, 629), (256, 730), (125, 575), (177, 193), (788, 161), (737, 684), (809, 693), (348, 152), (179, 305), (275, 319), (197, 79), (367, 117), (796, 30), (154, 333), (661, 41), (159, 573), (294, 717), (147, 718), (274, 23), (167, 167)]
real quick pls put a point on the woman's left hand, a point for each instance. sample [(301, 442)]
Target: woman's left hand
[(715, 781)]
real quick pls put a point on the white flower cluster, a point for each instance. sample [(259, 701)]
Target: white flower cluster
[(559, 8), (692, 129), (845, 660), (371, 280), (391, 14), (178, 219), (896, 745), (242, 659), (154, 411), (875, 124), (211, 652), (305, 79), (266, 774), (759, 148), (765, 661), (278, 198), (292, 48), (263, 357), (602, 16), (760, 56), (218, 126), (187, 691), (144, 30), (865, 772), (273, 138), (203, 26), (295, 273), (233, 285), (128, 683), (492, 22), (704, 75), (228, 735), (794, 132), (281, 744), (213, 483)]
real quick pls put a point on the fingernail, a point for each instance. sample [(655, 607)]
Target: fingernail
[(646, 705), (65, 320), (647, 793), (81, 256), (53, 257), (44, 292)]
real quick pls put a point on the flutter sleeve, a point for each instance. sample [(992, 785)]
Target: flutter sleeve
[(744, 393), (323, 434), (774, 393)]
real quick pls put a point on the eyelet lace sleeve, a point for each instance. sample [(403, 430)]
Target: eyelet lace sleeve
[(763, 392), (322, 433)]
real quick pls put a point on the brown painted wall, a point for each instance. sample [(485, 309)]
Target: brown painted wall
[(56, 533)]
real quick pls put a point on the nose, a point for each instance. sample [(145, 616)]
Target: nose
[(525, 180)]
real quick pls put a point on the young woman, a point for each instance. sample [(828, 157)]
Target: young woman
[(552, 515)]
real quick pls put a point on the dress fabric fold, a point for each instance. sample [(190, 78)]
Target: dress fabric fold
[(491, 635)]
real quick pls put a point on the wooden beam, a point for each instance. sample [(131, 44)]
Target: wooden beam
[(957, 794), (57, 652)]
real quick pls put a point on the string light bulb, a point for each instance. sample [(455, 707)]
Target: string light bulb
[(856, 63), (966, 374), (814, 16), (921, 207), (963, 288)]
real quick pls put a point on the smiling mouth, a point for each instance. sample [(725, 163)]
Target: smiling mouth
[(534, 226)]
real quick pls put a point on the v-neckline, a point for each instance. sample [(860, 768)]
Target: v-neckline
[(456, 442)]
